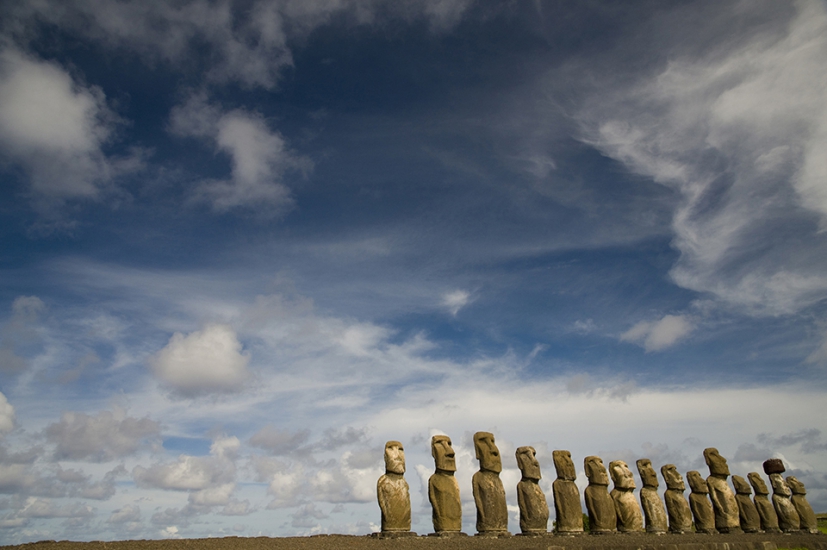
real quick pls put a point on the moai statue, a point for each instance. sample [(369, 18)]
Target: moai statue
[(788, 520), (805, 511), (699, 503), (392, 492), (650, 501), (747, 511), (530, 497), (489, 494), (723, 499), (601, 507), (769, 519), (566, 496), (680, 517), (629, 517), (443, 489)]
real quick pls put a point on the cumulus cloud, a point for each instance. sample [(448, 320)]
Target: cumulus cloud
[(203, 362), (126, 514), (105, 436), (279, 441), (659, 335), (455, 300)]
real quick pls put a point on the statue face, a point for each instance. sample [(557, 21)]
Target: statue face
[(621, 475), (696, 483), (673, 477), (487, 452), (741, 485), (564, 465), (394, 458), (443, 453), (757, 483), (778, 485), (796, 486), (647, 473), (528, 464), (717, 464), (595, 470)]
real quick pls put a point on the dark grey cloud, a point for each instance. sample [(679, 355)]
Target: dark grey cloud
[(100, 438)]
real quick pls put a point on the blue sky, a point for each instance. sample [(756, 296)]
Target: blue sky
[(245, 243)]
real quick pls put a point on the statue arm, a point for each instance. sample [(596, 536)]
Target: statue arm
[(381, 497), (478, 498), (432, 497), (521, 499)]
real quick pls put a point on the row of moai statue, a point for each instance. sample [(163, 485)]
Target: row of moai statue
[(712, 503)]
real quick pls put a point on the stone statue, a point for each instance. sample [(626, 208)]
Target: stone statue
[(650, 501), (392, 492), (747, 511), (805, 511), (602, 515), (489, 494), (680, 517), (769, 519), (443, 489), (723, 499), (788, 520), (530, 497), (699, 503), (566, 496), (629, 517)]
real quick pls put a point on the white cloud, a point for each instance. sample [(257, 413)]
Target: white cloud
[(6, 415), (819, 355), (456, 300), (659, 335), (126, 514), (103, 437), (205, 361)]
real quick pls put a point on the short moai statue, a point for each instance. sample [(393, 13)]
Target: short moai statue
[(393, 494), (530, 497), (680, 516), (569, 514), (653, 510), (601, 508), (766, 511), (443, 489), (700, 504), (747, 511), (805, 511), (788, 520), (489, 493), (720, 493), (629, 517)]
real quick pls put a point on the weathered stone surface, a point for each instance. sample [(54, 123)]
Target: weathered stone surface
[(392, 491), (629, 517), (788, 520), (569, 514), (530, 497), (601, 508), (747, 512), (774, 466), (700, 504), (680, 516), (443, 489), (723, 499), (653, 510), (806, 515), (489, 494), (766, 511)]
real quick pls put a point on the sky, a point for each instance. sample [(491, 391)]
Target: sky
[(243, 243)]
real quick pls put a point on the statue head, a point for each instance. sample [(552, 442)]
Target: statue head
[(443, 453), (528, 463), (779, 487), (394, 458), (647, 473), (487, 452), (672, 477), (564, 465), (796, 486), (741, 485), (757, 483), (595, 471), (621, 475), (697, 484), (717, 464)]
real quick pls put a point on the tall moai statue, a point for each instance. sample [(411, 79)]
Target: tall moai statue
[(680, 516), (653, 510), (489, 494), (443, 489), (723, 499), (788, 520), (766, 511), (530, 497), (747, 511), (601, 507), (569, 520), (805, 511), (700, 504), (393, 494), (629, 517)]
